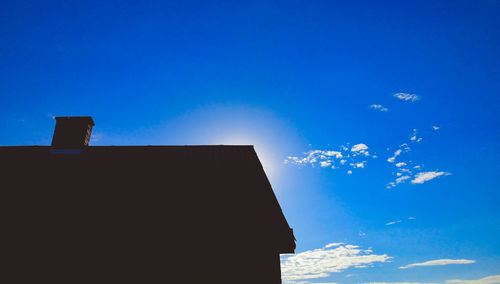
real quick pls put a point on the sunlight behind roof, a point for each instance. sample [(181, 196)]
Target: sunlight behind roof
[(270, 135)]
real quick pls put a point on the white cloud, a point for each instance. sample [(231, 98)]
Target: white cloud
[(379, 107), (397, 153), (359, 147), (408, 170), (336, 154), (333, 245), (401, 179), (411, 218), (439, 262), (406, 97), (426, 176), (359, 165), (392, 223), (349, 172), (435, 127), (325, 163), (494, 279), (307, 282), (406, 148), (320, 263), (313, 156), (334, 159), (399, 283), (414, 137)]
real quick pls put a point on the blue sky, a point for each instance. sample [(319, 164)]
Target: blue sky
[(305, 82)]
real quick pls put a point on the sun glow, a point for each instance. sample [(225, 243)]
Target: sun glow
[(236, 125)]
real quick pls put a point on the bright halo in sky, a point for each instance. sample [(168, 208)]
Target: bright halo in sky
[(270, 135)]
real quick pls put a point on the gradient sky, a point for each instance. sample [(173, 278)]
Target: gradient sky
[(313, 85)]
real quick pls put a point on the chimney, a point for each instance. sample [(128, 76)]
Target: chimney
[(72, 132)]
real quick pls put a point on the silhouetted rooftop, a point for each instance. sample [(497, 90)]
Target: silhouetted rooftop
[(136, 202)]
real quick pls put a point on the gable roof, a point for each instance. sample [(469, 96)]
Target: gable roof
[(126, 201)]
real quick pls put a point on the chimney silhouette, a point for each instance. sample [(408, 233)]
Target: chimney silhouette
[(72, 132)]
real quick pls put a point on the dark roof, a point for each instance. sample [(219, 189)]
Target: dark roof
[(125, 202)]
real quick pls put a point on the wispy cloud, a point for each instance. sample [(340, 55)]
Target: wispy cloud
[(407, 170), (359, 147), (332, 258), (354, 157), (393, 158), (439, 262), (398, 221), (406, 97), (435, 127), (335, 154), (325, 164), (330, 245), (400, 283), (307, 282), (495, 279), (414, 137), (358, 165), (379, 107), (426, 176), (401, 179), (314, 156), (357, 157)]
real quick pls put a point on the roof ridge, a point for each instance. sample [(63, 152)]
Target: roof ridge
[(135, 146)]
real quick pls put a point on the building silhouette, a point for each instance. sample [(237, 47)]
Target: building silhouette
[(73, 213)]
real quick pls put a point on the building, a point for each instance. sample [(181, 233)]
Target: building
[(74, 213)]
